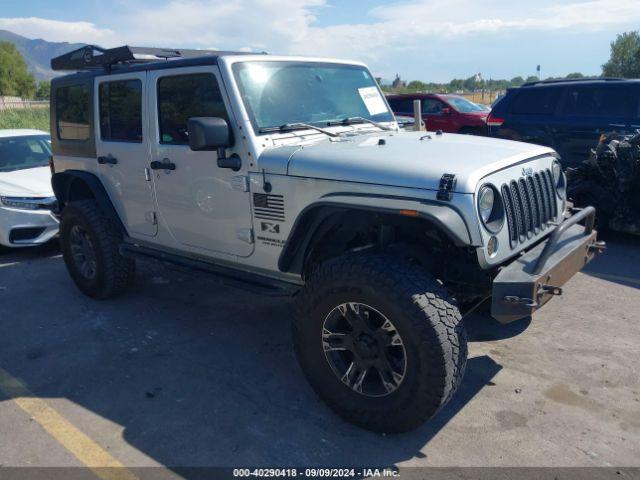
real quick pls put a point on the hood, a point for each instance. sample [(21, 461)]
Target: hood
[(29, 182), (404, 159)]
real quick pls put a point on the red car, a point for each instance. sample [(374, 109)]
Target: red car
[(449, 113)]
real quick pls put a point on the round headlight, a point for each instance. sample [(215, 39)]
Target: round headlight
[(490, 208), (559, 179), (485, 203)]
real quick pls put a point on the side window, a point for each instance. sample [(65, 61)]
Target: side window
[(431, 106), (181, 97), (406, 105), (121, 111), (579, 101), (401, 105), (72, 112), (536, 101), (601, 101), (613, 101)]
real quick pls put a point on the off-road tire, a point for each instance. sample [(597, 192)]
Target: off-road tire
[(426, 317), (113, 272)]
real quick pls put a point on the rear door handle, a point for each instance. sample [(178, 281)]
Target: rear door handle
[(162, 165), (109, 159)]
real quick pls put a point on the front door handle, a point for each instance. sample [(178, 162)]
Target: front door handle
[(109, 159), (162, 165)]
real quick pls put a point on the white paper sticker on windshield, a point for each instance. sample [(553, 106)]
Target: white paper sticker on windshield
[(372, 100)]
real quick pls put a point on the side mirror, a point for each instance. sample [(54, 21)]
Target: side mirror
[(446, 111), (209, 133)]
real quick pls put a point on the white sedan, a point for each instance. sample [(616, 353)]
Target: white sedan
[(26, 196)]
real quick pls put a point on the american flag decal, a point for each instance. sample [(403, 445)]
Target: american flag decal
[(268, 207)]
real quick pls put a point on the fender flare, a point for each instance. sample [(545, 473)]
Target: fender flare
[(62, 183), (319, 217)]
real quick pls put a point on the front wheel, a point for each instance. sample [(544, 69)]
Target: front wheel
[(380, 341)]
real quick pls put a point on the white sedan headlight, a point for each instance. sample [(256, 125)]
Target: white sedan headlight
[(25, 203)]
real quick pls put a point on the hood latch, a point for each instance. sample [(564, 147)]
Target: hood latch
[(447, 184)]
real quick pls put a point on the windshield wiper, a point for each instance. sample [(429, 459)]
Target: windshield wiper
[(287, 127), (352, 120)]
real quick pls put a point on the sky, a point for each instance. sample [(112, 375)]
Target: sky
[(428, 40)]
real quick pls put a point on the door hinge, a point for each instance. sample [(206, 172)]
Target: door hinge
[(151, 217), (147, 174), (246, 235), (240, 182)]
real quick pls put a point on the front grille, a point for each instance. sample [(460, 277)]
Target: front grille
[(530, 205), (268, 207)]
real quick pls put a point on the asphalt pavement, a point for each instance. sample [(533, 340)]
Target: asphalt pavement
[(182, 371)]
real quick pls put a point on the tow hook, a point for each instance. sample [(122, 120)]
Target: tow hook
[(530, 302), (598, 246), (544, 288), (527, 302)]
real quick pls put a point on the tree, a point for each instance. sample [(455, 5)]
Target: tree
[(532, 78), (43, 91), (625, 56), (15, 79), (574, 75)]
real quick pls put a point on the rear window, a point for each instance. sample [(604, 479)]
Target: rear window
[(599, 101), (121, 111), (535, 101), (72, 112)]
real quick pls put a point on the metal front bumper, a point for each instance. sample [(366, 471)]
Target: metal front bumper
[(529, 282)]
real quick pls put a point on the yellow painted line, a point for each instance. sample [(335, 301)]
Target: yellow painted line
[(78, 443), (615, 278)]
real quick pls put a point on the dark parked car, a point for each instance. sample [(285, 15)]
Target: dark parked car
[(568, 115), (449, 113)]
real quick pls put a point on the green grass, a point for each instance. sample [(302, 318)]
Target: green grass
[(37, 118)]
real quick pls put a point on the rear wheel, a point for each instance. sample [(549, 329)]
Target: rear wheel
[(90, 242), (380, 341)]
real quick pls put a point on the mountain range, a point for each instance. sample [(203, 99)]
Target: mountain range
[(38, 53)]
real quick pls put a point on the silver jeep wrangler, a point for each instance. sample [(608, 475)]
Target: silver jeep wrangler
[(289, 176)]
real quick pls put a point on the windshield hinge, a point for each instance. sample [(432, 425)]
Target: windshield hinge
[(240, 182), (447, 184)]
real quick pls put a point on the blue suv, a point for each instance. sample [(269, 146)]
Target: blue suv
[(567, 115)]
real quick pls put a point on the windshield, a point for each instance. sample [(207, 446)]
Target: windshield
[(463, 105), (17, 153), (280, 93)]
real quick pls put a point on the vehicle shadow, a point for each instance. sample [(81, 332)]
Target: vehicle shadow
[(620, 263), (481, 327), (195, 373)]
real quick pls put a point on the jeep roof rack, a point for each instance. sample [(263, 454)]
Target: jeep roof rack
[(572, 80), (91, 57)]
